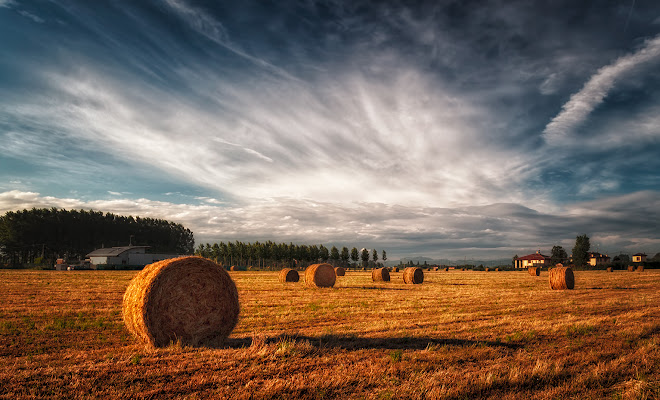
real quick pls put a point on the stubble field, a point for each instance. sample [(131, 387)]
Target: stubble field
[(459, 335)]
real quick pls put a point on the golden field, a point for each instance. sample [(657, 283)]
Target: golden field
[(459, 335)]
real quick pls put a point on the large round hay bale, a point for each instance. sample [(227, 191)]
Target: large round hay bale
[(190, 300), (320, 275), (413, 275), (534, 271), (380, 275), (289, 275), (609, 269), (340, 271), (562, 278)]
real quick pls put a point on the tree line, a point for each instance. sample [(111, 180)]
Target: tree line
[(275, 255), (39, 236)]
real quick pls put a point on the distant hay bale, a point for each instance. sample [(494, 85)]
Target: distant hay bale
[(289, 275), (396, 269), (190, 300), (340, 271), (413, 275), (631, 268), (562, 278), (380, 275), (447, 269), (609, 269), (233, 268), (497, 270), (534, 271), (320, 275), (640, 268), (487, 269)]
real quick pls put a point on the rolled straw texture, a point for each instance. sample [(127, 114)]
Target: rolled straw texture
[(340, 271), (413, 275), (289, 275), (561, 278), (380, 275), (320, 275), (190, 300), (534, 271)]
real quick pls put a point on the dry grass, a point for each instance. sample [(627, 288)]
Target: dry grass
[(458, 336)]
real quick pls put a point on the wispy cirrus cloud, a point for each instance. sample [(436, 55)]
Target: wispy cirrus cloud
[(582, 103)]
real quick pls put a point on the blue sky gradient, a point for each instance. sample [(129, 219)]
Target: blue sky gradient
[(446, 129)]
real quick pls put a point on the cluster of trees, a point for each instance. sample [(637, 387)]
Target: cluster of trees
[(39, 236), (283, 254), (580, 254)]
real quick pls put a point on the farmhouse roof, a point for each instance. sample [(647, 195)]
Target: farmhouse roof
[(535, 256), (113, 251), (639, 254)]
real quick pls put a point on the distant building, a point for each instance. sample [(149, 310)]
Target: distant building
[(596, 259), (125, 255), (639, 257), (532, 260)]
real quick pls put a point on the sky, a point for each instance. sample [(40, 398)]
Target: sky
[(445, 129)]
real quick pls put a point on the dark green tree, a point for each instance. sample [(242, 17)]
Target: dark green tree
[(324, 254), (364, 256), (384, 257), (334, 255), (345, 255), (355, 255), (558, 255), (581, 250), (374, 255)]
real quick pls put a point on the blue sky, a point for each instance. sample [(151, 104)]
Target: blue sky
[(446, 129)]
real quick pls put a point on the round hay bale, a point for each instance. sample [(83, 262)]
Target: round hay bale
[(320, 275), (190, 300), (534, 271), (413, 275), (562, 278), (640, 268), (233, 268), (631, 268), (447, 269), (380, 275), (340, 271), (396, 269), (289, 275), (609, 269), (497, 270)]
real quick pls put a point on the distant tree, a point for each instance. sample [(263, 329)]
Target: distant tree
[(334, 254), (324, 254), (344, 255), (364, 256), (582, 246), (374, 255), (656, 257), (384, 256), (558, 255), (355, 255)]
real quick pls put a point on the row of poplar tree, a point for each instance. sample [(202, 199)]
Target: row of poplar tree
[(39, 236), (271, 254)]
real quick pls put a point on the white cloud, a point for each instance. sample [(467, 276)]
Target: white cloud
[(496, 230), (582, 103)]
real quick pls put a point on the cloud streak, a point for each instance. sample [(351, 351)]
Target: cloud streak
[(582, 103)]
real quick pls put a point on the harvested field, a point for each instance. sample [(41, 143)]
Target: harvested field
[(457, 336)]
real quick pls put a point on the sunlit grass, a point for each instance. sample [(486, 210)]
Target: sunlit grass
[(461, 334)]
